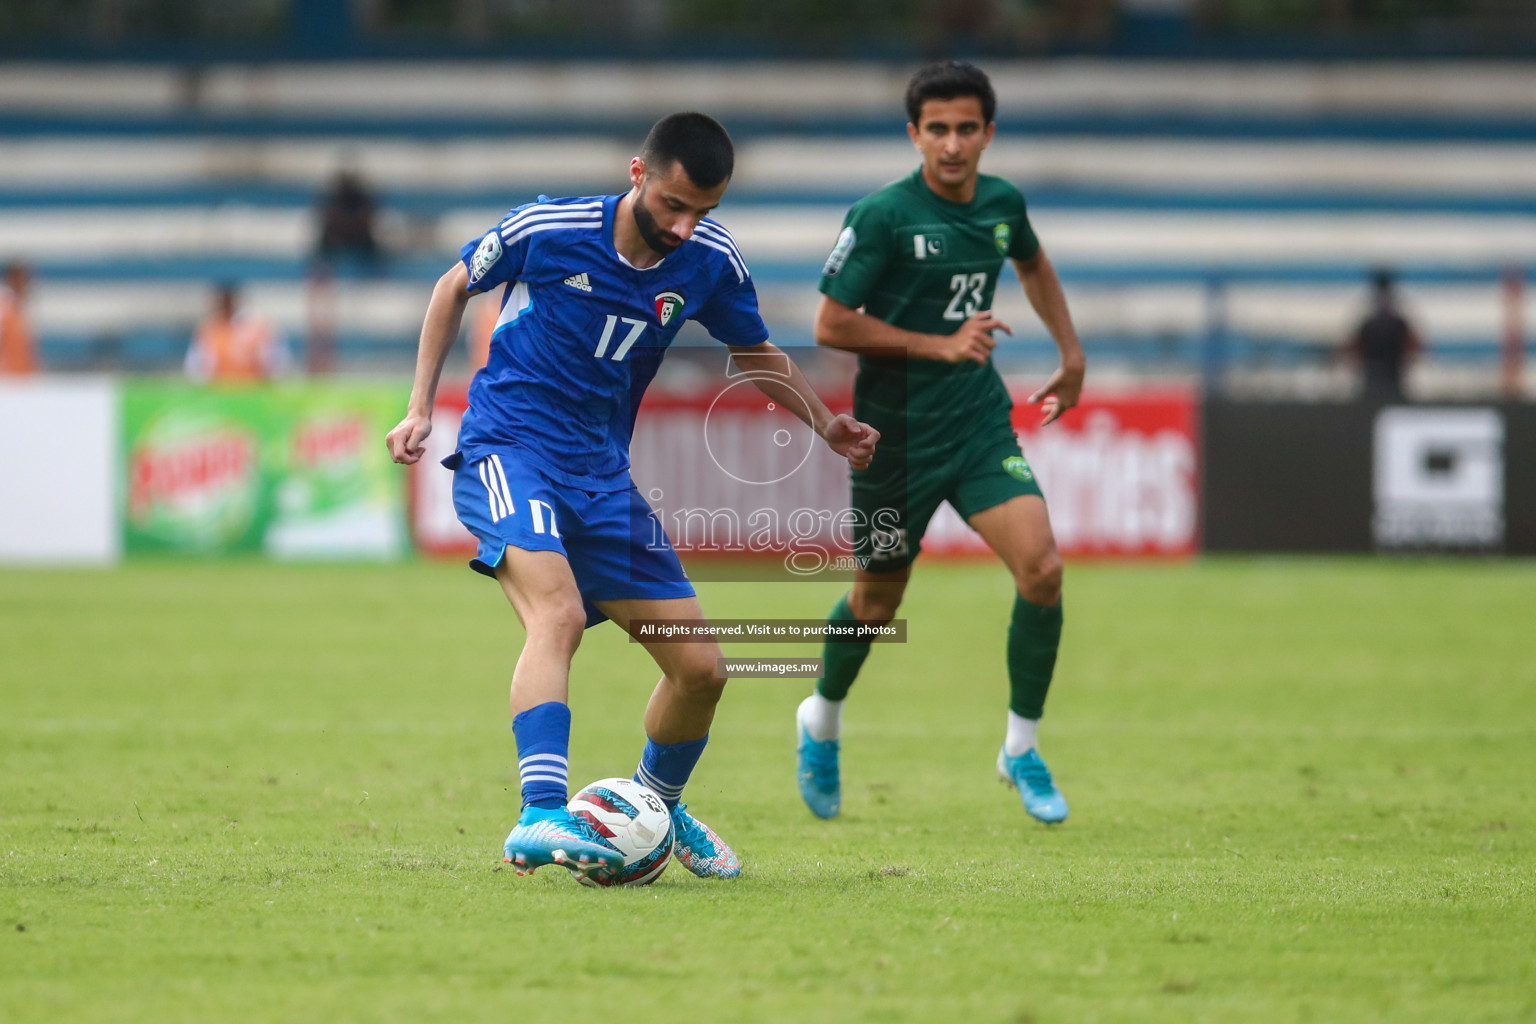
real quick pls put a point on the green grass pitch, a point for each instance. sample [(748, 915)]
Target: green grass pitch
[(1301, 791)]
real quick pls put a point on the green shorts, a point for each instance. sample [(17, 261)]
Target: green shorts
[(893, 502)]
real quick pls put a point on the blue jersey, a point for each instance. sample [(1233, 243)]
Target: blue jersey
[(582, 333)]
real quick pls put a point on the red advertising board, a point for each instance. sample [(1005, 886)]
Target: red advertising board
[(1121, 472), (434, 524)]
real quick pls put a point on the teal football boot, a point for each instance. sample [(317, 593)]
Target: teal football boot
[(553, 835), (1028, 774), (820, 782), (699, 849)]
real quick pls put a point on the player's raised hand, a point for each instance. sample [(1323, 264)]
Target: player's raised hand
[(852, 440), (1060, 393), (408, 441), (973, 340)]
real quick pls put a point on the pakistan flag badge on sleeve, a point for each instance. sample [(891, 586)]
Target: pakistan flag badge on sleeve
[(1001, 235)]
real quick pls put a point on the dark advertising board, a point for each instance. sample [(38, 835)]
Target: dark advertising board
[(1287, 476)]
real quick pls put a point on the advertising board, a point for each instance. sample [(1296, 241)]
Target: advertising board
[(728, 473), (291, 471)]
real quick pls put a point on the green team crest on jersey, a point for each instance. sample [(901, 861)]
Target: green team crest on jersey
[(1018, 466), (1000, 237)]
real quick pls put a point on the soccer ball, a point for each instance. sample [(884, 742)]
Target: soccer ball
[(635, 820)]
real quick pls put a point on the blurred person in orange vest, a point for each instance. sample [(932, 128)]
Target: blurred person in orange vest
[(18, 349), (233, 346)]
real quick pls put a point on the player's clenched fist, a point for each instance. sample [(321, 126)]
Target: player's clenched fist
[(852, 440), (407, 442), (973, 340)]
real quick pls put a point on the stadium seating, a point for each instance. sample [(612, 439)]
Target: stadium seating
[(1185, 205)]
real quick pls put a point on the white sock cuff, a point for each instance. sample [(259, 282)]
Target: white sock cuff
[(1021, 734), (823, 718)]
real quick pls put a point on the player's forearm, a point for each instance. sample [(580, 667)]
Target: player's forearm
[(777, 376), (1043, 289), (439, 330), (848, 330)]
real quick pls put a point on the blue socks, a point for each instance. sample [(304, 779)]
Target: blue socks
[(665, 767), (543, 735)]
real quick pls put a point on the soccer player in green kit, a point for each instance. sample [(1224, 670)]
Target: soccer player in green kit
[(909, 288)]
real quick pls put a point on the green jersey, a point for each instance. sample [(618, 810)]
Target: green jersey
[(923, 263)]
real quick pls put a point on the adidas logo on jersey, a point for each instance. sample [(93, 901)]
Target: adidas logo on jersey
[(579, 281)]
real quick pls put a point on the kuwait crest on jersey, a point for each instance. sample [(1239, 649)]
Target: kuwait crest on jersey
[(667, 306)]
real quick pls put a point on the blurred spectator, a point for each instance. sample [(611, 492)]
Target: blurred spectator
[(950, 26), (18, 349), (232, 346), (1384, 343), (346, 216)]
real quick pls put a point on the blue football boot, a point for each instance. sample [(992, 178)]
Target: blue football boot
[(821, 786), (697, 848), (1029, 775), (553, 835)]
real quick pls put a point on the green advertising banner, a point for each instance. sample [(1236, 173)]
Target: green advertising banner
[(289, 470)]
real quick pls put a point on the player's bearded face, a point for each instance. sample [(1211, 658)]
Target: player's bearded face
[(668, 205), (657, 237)]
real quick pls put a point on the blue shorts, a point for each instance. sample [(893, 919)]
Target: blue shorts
[(614, 543)]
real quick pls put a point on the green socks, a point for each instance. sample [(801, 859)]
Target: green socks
[(842, 659), (1033, 637)]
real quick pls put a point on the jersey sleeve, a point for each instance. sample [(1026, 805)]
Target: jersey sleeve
[(730, 314), (492, 260), (859, 258), (1023, 245)]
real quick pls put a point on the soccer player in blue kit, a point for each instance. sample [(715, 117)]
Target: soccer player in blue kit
[(594, 290)]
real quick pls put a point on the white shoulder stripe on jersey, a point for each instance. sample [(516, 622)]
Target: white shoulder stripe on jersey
[(715, 228), (539, 208), (523, 232), (556, 218), (718, 234), (741, 271)]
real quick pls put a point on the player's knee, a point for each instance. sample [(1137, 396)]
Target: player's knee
[(874, 606), (561, 624), (1039, 580), (700, 678)]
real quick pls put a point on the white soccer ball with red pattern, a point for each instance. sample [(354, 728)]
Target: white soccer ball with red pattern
[(635, 821)]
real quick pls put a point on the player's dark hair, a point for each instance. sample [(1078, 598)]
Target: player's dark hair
[(697, 141), (948, 80)]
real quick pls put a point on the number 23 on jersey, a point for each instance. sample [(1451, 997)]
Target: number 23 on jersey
[(969, 294)]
